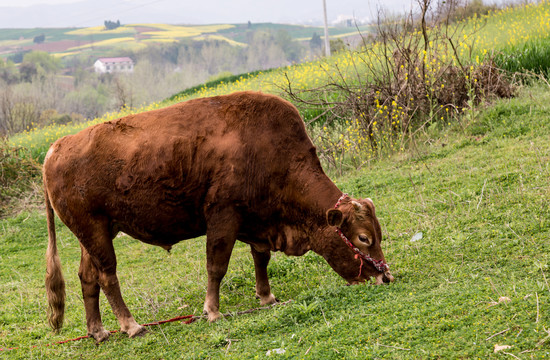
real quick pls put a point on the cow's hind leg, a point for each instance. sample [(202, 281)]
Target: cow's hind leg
[(221, 235), (263, 290), (90, 292), (101, 254)]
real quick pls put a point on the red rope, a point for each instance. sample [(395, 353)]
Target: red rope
[(361, 266), (380, 265), (191, 318)]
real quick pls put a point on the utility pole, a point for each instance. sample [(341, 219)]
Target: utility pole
[(327, 41)]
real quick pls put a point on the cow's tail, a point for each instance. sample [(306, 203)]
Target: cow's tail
[(55, 283)]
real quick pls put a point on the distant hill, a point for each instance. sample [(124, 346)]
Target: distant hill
[(100, 41), (83, 13)]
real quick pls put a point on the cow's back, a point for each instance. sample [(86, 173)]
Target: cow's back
[(154, 174)]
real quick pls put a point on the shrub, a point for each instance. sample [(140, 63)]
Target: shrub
[(465, 9), (18, 175), (396, 87)]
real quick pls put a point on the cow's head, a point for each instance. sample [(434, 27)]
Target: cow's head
[(356, 220)]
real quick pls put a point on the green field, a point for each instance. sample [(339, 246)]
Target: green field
[(479, 197), (98, 40), (465, 217)]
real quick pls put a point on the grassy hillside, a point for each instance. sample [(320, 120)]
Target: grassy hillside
[(465, 220), (477, 278)]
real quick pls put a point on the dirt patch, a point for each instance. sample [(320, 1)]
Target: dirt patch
[(141, 29)]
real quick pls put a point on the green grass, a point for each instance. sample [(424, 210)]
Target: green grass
[(15, 34), (533, 55), (480, 197), (479, 194), (189, 92)]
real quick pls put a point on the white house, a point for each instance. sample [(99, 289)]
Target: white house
[(117, 64)]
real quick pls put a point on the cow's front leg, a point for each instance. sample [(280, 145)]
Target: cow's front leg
[(263, 290), (220, 239)]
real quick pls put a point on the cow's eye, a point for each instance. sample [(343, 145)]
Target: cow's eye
[(364, 238)]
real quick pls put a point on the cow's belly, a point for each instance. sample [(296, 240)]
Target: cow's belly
[(161, 225)]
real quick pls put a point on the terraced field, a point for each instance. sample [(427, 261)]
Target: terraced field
[(67, 41)]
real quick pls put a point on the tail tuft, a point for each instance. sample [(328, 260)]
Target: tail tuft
[(55, 283)]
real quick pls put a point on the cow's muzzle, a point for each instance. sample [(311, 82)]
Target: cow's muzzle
[(384, 278)]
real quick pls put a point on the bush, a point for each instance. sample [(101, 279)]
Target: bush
[(395, 88), (406, 81), (39, 39), (19, 174), (111, 25), (463, 10)]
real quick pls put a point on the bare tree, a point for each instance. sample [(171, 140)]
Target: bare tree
[(122, 94), (6, 104)]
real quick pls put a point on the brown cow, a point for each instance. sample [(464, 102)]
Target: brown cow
[(239, 166)]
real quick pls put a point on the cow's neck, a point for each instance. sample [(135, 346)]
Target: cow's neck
[(308, 228)]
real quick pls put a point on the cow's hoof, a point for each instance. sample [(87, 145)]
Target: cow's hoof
[(212, 315), (137, 331), (268, 300), (211, 311), (100, 335)]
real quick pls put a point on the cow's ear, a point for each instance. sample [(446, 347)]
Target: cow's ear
[(357, 206), (335, 217)]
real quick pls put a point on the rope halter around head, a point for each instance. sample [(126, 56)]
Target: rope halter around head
[(379, 265)]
